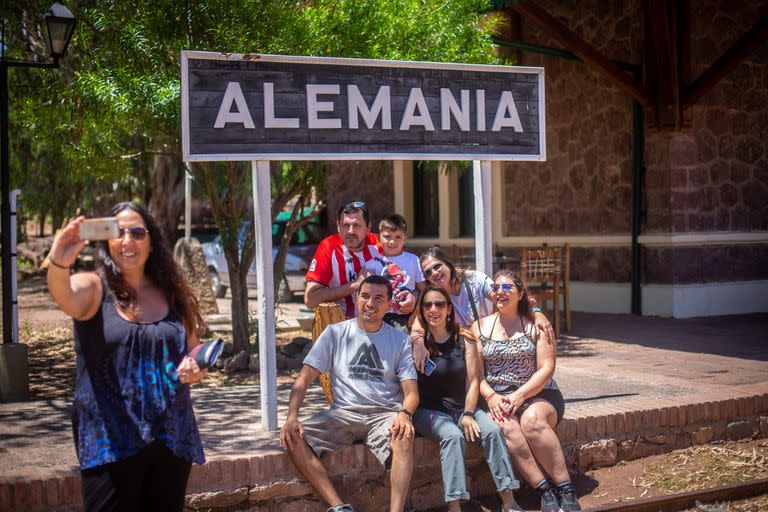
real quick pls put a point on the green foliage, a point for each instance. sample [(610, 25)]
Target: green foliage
[(93, 128)]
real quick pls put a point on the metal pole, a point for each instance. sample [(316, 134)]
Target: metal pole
[(638, 171), (265, 279), (14, 279), (187, 203), (5, 210), (483, 218)]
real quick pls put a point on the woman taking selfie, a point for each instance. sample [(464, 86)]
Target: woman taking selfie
[(447, 411), (134, 321), (521, 395)]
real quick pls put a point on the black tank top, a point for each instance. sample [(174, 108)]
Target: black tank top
[(445, 389)]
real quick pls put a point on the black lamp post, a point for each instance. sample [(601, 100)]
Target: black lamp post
[(60, 23)]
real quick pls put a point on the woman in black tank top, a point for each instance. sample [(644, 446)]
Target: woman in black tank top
[(447, 411)]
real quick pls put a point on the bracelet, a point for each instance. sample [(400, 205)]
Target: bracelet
[(468, 413), (66, 267), (407, 412), (490, 396), (537, 309)]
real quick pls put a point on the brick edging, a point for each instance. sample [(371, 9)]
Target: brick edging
[(595, 436)]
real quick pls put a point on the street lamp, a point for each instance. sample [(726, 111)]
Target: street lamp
[(60, 23)]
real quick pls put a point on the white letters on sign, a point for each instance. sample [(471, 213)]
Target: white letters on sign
[(270, 121), (314, 106), (381, 106), (233, 93), (415, 113)]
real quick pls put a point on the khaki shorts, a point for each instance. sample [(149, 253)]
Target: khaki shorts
[(332, 429)]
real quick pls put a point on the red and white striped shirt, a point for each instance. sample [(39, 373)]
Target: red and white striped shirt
[(335, 265)]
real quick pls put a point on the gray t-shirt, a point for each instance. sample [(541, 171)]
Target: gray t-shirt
[(366, 367)]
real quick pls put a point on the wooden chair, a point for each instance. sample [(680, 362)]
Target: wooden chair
[(542, 272), (326, 314)]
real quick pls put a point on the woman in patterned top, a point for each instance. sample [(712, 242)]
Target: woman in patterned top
[(521, 395), (134, 322)]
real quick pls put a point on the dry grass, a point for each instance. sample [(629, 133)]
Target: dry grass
[(707, 466), (711, 466)]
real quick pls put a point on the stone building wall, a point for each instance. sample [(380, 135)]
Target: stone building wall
[(369, 181), (585, 186), (712, 175)]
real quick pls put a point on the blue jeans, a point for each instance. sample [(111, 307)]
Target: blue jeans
[(444, 429)]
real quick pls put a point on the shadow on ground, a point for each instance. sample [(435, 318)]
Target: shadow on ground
[(741, 336)]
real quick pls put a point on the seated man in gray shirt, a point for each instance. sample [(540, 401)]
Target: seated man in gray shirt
[(375, 392)]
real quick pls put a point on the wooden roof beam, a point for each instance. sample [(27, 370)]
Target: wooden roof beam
[(659, 25), (732, 57), (573, 42)]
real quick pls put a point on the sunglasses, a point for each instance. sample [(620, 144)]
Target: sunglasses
[(505, 287), (137, 233), (439, 304), (354, 204), (437, 267)]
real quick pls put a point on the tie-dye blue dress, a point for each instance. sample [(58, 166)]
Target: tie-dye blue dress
[(127, 395)]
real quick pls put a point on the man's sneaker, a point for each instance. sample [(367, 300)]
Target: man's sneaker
[(568, 500), (346, 507), (548, 498)]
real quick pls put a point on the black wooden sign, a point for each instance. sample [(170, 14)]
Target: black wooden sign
[(268, 107)]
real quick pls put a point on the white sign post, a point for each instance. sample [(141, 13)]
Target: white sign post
[(259, 108), (265, 279), (481, 170)]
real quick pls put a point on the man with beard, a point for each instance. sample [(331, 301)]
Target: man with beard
[(335, 273), (374, 395)]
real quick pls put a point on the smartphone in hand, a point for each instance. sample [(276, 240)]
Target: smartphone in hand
[(429, 367), (102, 228)]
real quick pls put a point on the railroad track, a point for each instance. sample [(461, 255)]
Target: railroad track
[(689, 499)]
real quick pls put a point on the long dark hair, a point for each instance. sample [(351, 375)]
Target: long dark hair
[(160, 268), (454, 329), (524, 305), (441, 256)]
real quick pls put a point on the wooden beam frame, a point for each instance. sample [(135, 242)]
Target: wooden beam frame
[(573, 42), (732, 57)]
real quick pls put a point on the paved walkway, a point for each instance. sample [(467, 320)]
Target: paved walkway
[(604, 359)]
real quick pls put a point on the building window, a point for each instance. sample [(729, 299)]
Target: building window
[(466, 200), (426, 205)]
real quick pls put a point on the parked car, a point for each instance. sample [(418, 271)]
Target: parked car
[(300, 251)]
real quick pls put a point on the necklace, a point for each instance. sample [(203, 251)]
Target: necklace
[(503, 328)]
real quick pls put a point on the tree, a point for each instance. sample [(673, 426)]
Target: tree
[(123, 91)]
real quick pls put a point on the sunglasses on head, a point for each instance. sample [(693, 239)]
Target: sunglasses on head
[(137, 233), (505, 287), (437, 267), (439, 304), (354, 204)]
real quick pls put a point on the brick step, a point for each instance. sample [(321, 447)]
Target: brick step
[(265, 480)]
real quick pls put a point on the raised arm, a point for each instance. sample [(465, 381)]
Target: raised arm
[(317, 293), (78, 295)]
